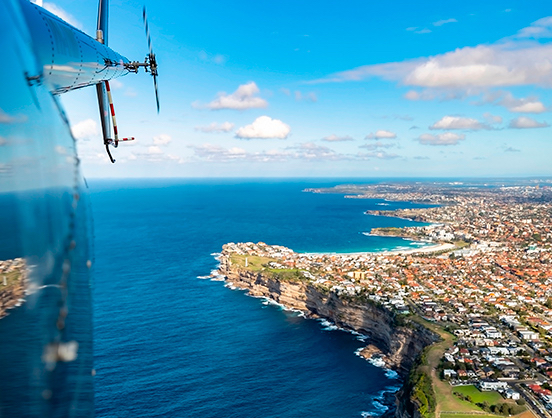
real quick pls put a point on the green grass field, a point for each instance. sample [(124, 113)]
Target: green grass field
[(445, 415), (12, 278), (477, 396), (254, 263)]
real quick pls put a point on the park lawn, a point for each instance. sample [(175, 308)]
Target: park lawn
[(12, 278), (254, 263), (445, 415), (492, 397)]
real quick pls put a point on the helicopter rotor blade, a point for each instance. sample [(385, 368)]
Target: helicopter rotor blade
[(151, 57), (145, 17)]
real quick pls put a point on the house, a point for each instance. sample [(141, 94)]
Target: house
[(511, 394), (528, 335), (486, 385)]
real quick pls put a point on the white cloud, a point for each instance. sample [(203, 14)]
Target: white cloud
[(86, 130), (154, 150), (483, 66), (162, 139), (210, 152), (490, 118), (336, 138), (264, 127), (60, 149), (529, 107), (245, 97), (309, 97), (412, 95), (524, 122), (529, 104), (444, 22), (511, 62), (456, 122), (308, 151), (447, 138), (312, 152), (115, 84), (216, 58), (377, 145), (541, 28), (216, 127), (62, 14), (5, 118), (380, 155), (381, 134), (422, 31)]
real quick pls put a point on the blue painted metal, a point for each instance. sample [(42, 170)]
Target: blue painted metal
[(69, 58)]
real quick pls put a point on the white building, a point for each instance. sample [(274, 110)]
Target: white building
[(492, 385)]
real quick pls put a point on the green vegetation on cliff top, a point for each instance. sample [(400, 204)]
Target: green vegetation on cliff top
[(12, 279), (261, 264)]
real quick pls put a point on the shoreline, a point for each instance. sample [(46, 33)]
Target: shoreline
[(434, 247), (386, 344), (386, 397)]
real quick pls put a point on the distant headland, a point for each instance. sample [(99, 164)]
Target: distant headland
[(456, 319)]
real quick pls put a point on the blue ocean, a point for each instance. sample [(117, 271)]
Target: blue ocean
[(170, 344)]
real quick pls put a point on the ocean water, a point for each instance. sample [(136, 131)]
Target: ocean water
[(169, 344)]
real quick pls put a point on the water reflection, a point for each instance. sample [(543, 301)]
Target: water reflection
[(13, 284), (45, 307)]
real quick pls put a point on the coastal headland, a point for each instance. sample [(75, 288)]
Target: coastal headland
[(12, 284), (465, 322)]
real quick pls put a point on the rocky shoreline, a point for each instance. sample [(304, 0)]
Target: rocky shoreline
[(398, 345), (12, 284)]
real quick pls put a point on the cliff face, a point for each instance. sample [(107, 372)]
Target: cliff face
[(398, 345), (10, 296)]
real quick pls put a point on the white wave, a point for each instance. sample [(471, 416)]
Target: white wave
[(379, 407), (382, 204), (203, 277), (328, 326), (391, 374), (216, 254), (33, 288)]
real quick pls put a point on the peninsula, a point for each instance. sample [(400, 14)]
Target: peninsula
[(13, 277), (468, 324)]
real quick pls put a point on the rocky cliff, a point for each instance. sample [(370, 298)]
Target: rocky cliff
[(398, 345), (9, 296)]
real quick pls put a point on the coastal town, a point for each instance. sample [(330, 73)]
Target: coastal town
[(482, 282)]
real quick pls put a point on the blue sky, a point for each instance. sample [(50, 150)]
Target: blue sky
[(304, 88)]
